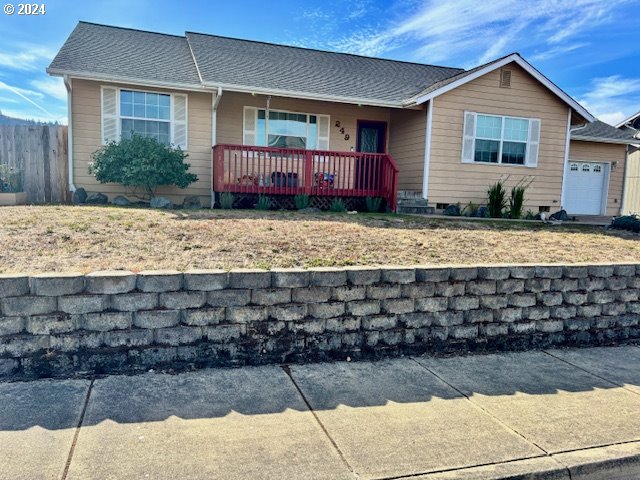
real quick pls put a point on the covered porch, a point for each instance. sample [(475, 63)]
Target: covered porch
[(243, 169)]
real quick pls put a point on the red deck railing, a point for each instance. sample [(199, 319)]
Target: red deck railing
[(285, 171)]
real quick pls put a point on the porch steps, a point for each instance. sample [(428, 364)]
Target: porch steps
[(415, 205)]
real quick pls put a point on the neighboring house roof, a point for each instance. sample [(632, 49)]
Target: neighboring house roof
[(632, 123), (121, 53), (197, 60), (602, 132)]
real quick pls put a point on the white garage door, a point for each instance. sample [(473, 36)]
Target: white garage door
[(585, 188)]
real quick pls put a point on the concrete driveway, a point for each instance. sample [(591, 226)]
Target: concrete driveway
[(558, 414)]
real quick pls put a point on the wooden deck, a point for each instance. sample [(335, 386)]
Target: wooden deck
[(281, 171)]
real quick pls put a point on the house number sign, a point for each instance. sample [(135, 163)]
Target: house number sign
[(342, 130)]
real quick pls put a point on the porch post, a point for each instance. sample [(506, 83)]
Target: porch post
[(308, 171)]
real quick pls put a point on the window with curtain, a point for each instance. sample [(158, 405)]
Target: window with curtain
[(286, 130)]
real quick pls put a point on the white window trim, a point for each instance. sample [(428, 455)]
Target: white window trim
[(171, 120), (266, 124), (502, 140)]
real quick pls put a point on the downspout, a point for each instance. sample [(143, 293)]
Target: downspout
[(67, 84), (215, 101)]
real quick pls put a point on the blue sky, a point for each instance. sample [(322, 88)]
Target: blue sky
[(589, 48)]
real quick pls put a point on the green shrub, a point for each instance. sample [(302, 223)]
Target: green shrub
[(373, 204), (626, 222), (141, 163), (470, 210), (496, 200), (529, 215), (264, 203), (516, 201), (301, 201), (337, 205), (226, 200)]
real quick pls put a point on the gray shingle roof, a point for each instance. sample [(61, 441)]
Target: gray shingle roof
[(124, 53), (604, 131), (267, 66)]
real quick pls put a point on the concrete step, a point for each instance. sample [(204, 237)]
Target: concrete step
[(418, 209)]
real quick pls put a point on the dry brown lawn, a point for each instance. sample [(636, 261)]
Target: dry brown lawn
[(65, 238)]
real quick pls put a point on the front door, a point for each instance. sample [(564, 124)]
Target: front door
[(371, 139)]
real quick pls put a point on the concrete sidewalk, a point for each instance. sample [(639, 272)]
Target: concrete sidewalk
[(558, 414)]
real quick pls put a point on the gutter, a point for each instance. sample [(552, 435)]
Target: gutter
[(67, 84), (619, 141)]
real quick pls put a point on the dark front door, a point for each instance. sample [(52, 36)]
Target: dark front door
[(371, 139)]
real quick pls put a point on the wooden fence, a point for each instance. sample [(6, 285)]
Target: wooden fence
[(40, 152)]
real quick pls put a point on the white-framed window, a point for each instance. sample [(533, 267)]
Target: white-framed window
[(283, 129), (160, 115), (500, 139)]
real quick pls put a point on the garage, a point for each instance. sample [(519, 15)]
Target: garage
[(585, 188)]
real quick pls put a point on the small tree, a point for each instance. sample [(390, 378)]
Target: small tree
[(141, 163)]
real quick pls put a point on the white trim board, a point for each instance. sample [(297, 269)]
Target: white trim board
[(427, 150), (514, 57), (567, 146), (604, 140)]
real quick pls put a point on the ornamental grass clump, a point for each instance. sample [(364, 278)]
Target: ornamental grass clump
[(497, 200)]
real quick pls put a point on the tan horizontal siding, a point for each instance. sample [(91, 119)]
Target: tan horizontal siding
[(406, 145), (604, 152), (451, 181), (87, 139), (231, 111)]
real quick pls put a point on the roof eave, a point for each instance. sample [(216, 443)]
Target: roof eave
[(56, 72), (302, 95), (620, 141), (500, 63)]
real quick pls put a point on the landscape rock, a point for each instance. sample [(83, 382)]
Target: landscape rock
[(121, 201), (97, 199), (482, 212), (452, 210), (560, 215), (192, 202), (79, 196), (161, 202)]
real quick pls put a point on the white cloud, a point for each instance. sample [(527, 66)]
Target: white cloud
[(28, 57), (486, 30), (613, 98), (556, 51), (52, 86)]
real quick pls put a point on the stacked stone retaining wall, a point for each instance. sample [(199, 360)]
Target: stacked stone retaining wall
[(103, 322)]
